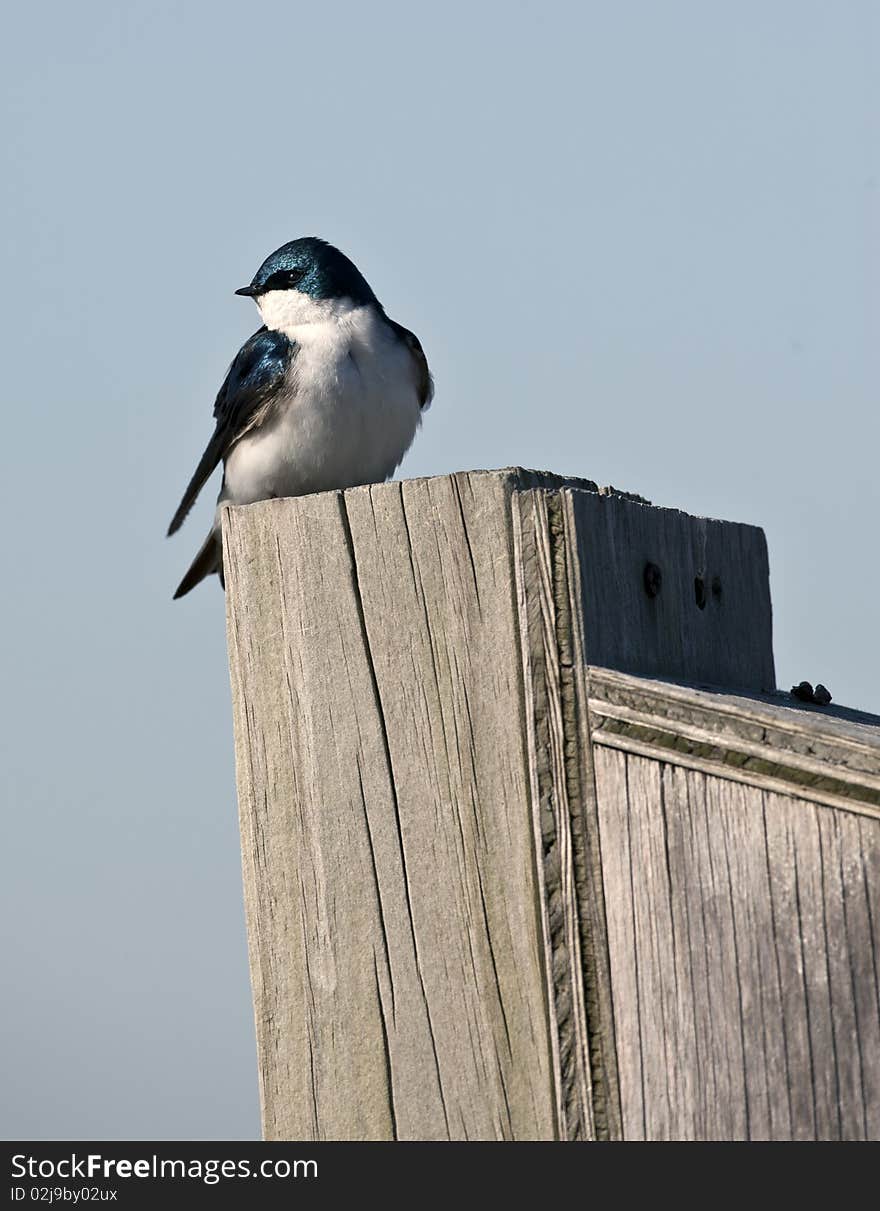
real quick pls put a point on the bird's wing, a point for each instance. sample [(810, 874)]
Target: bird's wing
[(254, 377), (424, 381)]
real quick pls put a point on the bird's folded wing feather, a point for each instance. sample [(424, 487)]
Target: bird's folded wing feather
[(254, 377), (425, 383)]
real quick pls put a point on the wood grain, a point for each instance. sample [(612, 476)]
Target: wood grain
[(728, 642), (771, 741), (397, 961), (496, 891), (565, 821), (743, 957)]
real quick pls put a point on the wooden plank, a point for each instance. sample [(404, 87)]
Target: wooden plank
[(397, 962), (756, 741), (430, 556), (620, 888), (743, 957), (728, 642), (837, 739), (565, 820)]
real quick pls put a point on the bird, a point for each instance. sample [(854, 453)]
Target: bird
[(328, 393)]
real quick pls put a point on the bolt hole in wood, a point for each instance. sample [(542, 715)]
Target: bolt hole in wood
[(652, 578), (700, 592)]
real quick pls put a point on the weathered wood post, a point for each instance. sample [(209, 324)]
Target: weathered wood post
[(503, 883)]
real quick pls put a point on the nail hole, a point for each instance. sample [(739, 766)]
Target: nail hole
[(716, 587), (652, 578), (700, 592)]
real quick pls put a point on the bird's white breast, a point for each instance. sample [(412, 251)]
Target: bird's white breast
[(346, 415)]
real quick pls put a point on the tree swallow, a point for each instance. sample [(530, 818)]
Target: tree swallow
[(327, 394)]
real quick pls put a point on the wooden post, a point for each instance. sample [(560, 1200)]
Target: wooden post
[(503, 883)]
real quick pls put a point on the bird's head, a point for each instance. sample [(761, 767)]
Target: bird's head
[(292, 284)]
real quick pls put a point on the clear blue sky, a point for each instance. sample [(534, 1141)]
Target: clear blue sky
[(639, 242)]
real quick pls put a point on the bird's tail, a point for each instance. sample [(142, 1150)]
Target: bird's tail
[(208, 560)]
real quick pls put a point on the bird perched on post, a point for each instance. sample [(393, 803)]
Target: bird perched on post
[(327, 394)]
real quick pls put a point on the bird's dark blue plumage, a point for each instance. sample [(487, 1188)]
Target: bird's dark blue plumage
[(256, 374), (315, 268), (423, 374), (257, 370)]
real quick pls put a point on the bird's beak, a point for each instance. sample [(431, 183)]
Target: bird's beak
[(249, 292)]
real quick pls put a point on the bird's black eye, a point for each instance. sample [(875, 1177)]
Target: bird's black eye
[(284, 279)]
